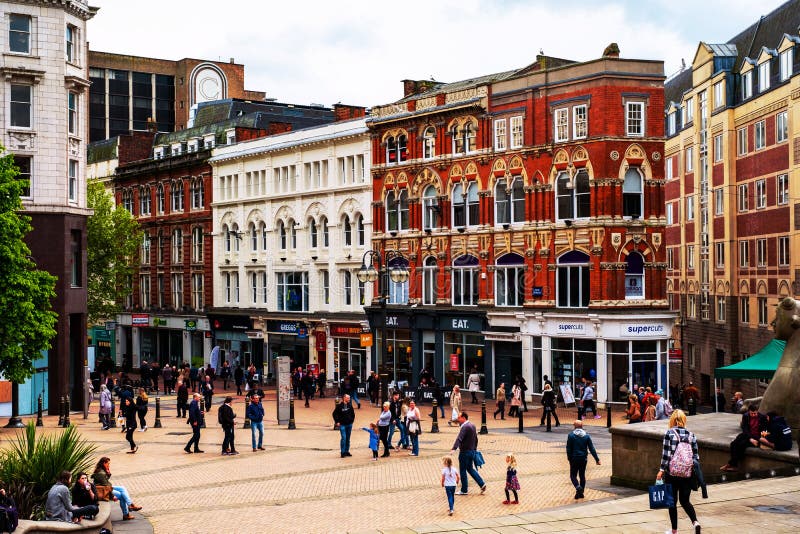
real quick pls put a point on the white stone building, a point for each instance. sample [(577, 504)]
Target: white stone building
[(42, 122), (291, 222)]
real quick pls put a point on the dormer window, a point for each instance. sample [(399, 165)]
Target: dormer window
[(191, 146), (763, 76), (208, 142), (230, 137), (177, 149), (158, 152), (786, 63), (747, 85)]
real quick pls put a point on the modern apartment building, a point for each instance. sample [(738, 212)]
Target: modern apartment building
[(732, 178)]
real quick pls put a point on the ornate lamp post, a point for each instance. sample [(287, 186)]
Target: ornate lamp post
[(397, 274)]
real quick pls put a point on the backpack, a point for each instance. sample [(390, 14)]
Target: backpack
[(9, 518), (682, 461), (667, 408)]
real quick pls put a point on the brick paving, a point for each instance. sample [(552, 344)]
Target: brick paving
[(301, 475)]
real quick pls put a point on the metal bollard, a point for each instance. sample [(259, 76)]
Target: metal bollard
[(608, 415), (549, 416), (246, 419), (435, 423), (157, 424), (336, 403), (291, 415), (483, 430), (66, 412), (61, 410), (202, 404), (112, 416), (519, 413), (39, 421)]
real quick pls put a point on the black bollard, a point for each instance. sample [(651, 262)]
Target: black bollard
[(39, 421), (246, 419), (202, 404), (549, 417), (608, 415), (66, 411), (519, 413), (291, 415), (336, 402), (157, 424), (111, 417), (483, 430), (435, 424), (61, 411)]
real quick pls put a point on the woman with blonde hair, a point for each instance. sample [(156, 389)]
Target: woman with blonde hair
[(681, 484), (455, 405), (141, 409)]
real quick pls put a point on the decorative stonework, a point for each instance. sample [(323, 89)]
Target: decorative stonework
[(616, 240), (466, 94), (614, 155), (21, 140), (656, 156)]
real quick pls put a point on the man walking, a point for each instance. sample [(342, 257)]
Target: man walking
[(579, 445), (255, 412), (208, 391), (227, 419), (195, 421), (467, 445), (344, 416)]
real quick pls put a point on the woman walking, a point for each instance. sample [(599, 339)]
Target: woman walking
[(474, 383), (633, 411), (141, 409), (516, 400), (383, 423), (129, 411), (674, 470), (414, 427), (455, 405), (500, 401), (106, 406), (549, 405)]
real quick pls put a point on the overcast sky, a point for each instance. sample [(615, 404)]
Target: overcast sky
[(356, 52)]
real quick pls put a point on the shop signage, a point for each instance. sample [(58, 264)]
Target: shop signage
[(346, 330), (454, 362), (675, 355), (111, 325), (102, 335), (158, 321), (254, 334), (642, 330), (284, 327), (396, 321), (190, 325), (302, 332), (463, 324), (140, 319), (366, 340), (571, 328), (538, 291), (320, 341), (500, 336)]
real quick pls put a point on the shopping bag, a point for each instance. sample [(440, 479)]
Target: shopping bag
[(661, 496)]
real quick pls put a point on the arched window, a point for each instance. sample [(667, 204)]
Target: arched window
[(632, 193), (254, 288), (391, 150), (398, 291), (429, 143), (253, 237), (281, 235), (465, 207), (402, 148), (177, 246), (160, 198), (509, 280), (465, 281), (509, 203), (160, 243), (144, 200), (312, 233), (198, 193), (362, 231), (197, 244), (430, 209), (226, 233), (127, 200), (177, 195), (263, 227), (237, 236), (292, 234), (347, 287), (634, 277), (144, 254), (573, 198), (464, 138), (347, 231), (326, 242), (429, 273), (572, 281), (397, 211)]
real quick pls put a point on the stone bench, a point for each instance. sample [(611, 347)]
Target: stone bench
[(636, 451), (88, 526)]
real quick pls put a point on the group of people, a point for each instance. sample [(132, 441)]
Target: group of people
[(226, 417), (644, 406)]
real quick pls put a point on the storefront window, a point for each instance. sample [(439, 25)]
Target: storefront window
[(573, 359), (349, 355), (633, 363), (538, 379), (289, 345), (396, 363), (469, 352)]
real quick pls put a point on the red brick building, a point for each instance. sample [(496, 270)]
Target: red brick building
[(528, 208)]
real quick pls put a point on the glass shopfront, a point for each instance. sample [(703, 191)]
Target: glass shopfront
[(634, 363), (288, 338), (396, 363), (348, 354), (573, 359), (462, 352)]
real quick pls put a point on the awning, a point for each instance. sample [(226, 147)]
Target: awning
[(762, 364)]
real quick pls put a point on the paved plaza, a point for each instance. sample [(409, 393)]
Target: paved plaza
[(300, 483)]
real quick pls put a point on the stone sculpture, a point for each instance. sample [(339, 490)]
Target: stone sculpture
[(783, 393)]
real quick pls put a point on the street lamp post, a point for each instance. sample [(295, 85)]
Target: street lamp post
[(383, 274)]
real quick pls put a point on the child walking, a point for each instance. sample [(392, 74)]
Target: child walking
[(374, 437), (450, 480), (512, 483)]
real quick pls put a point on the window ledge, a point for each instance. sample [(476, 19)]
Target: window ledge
[(21, 54)]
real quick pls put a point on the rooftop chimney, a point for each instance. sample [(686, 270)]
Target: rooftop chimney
[(343, 112)]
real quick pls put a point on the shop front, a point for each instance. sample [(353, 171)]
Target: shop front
[(289, 338), (463, 350), (348, 354), (397, 362), (232, 334), (165, 339)]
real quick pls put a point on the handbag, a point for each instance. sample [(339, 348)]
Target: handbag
[(413, 427), (454, 414), (661, 496), (104, 493), (120, 420)]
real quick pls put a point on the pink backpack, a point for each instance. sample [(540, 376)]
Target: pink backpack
[(682, 461)]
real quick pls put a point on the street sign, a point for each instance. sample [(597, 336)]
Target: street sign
[(366, 340)]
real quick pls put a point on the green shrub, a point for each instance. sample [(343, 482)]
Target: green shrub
[(31, 465)]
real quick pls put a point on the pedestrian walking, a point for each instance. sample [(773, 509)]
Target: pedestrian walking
[(677, 460), (307, 385), (455, 405), (227, 419), (344, 416), (374, 436), (466, 444), (106, 406), (195, 421), (167, 376), (500, 401), (322, 378), (255, 412), (516, 400), (634, 411), (384, 419), (414, 427), (512, 482), (474, 384), (450, 480), (354, 383), (396, 409), (225, 374), (182, 398), (549, 406), (238, 378), (129, 411), (579, 445), (141, 409), (208, 391)]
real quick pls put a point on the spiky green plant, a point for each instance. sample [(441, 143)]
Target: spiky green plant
[(32, 464)]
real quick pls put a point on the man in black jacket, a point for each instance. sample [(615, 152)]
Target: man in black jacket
[(344, 416), (227, 419), (195, 421), (753, 423), (467, 445)]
